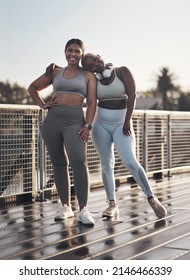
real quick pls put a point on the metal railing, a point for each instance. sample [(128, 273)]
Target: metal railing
[(162, 147)]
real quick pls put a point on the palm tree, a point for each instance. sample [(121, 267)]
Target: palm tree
[(167, 87)]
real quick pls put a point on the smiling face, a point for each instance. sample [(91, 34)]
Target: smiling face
[(73, 54), (93, 63)]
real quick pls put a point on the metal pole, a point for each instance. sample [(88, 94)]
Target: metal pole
[(41, 158)]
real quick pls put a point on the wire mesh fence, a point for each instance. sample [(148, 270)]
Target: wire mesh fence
[(162, 147)]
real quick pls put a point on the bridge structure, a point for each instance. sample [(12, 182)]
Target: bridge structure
[(29, 201)]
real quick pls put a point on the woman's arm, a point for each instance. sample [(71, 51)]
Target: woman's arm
[(36, 86), (50, 69), (129, 83), (91, 98), (91, 104)]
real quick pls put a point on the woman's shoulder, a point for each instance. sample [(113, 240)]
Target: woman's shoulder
[(89, 74), (57, 71), (122, 71), (122, 68)]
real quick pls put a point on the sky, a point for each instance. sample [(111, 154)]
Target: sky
[(144, 35)]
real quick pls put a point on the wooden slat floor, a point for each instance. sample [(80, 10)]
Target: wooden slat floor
[(29, 232)]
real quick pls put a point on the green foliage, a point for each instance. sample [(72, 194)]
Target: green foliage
[(184, 102), (167, 87), (14, 94)]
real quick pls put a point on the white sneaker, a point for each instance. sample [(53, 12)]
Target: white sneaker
[(85, 217), (112, 210), (64, 213)]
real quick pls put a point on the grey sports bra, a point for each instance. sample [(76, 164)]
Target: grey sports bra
[(76, 85), (113, 91)]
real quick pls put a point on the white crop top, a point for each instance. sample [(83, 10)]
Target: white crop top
[(114, 91)]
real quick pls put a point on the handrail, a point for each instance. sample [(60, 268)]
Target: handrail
[(163, 148)]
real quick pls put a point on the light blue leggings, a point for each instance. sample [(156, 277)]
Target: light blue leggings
[(107, 132)]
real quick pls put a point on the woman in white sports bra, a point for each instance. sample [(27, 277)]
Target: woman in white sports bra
[(112, 126), (65, 129)]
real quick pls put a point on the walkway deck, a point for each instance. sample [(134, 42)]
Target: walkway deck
[(29, 232)]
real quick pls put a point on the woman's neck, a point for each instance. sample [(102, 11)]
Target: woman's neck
[(72, 67)]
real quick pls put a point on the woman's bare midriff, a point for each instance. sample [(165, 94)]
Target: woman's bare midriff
[(68, 99)]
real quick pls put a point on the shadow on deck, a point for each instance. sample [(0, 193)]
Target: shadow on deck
[(29, 232)]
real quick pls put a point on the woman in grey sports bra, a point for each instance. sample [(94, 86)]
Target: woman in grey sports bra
[(112, 124), (65, 129)]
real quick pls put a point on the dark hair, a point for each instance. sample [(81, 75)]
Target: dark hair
[(84, 58), (75, 41)]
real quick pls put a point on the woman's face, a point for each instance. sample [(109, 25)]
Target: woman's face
[(94, 63), (73, 54)]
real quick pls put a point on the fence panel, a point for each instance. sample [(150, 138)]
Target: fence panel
[(162, 146), (18, 149)]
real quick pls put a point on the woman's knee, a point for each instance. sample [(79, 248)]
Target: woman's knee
[(132, 165), (107, 167), (60, 166), (78, 163)]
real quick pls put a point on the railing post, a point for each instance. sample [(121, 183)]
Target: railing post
[(169, 146), (41, 158), (145, 159)]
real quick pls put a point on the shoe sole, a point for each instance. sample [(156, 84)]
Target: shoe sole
[(87, 224), (62, 219), (110, 216)]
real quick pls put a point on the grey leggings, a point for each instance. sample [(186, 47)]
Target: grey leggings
[(60, 133)]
